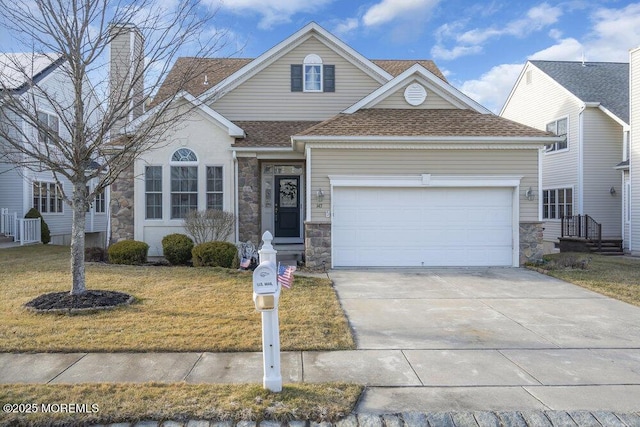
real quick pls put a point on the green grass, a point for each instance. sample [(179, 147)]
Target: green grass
[(113, 403), (616, 277), (178, 309)]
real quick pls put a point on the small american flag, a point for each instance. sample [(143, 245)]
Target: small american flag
[(245, 263), (285, 275)]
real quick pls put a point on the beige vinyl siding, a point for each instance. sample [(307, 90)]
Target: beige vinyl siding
[(536, 104), (396, 100), (603, 140), (634, 84), (327, 162), (268, 96), (625, 207)]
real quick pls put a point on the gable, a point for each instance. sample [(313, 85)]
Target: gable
[(267, 95), (397, 98)]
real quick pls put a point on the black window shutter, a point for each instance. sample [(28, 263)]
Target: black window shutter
[(296, 78), (329, 77)]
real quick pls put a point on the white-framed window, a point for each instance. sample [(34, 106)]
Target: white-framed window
[(557, 203), (312, 73), (48, 126), (215, 188), (558, 127), (47, 197), (184, 183), (99, 204), (153, 192)]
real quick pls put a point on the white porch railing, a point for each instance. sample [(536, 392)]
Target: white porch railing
[(23, 230)]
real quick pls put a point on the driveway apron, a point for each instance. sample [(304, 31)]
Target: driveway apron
[(492, 339)]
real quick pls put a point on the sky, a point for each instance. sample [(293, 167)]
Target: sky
[(481, 47)]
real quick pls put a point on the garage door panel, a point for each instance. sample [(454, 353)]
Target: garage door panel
[(390, 227)]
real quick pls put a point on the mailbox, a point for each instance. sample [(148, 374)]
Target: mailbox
[(266, 290)]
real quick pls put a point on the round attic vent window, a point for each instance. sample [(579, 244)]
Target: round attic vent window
[(415, 94)]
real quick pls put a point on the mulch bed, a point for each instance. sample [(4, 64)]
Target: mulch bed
[(91, 300)]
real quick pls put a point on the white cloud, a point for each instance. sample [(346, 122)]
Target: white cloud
[(388, 10), (493, 87), (615, 31), (273, 12), (346, 26), (568, 49), (470, 42), (440, 52)]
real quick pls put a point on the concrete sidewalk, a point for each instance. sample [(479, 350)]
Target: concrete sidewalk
[(397, 380)]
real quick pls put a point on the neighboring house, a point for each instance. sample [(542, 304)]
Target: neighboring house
[(345, 160), (22, 188), (633, 173), (587, 103)]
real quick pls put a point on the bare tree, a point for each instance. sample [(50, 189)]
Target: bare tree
[(97, 138)]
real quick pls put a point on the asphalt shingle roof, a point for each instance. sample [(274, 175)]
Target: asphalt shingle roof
[(603, 82), (398, 66), (422, 122), (270, 133)]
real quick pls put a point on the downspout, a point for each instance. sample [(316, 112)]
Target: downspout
[(236, 192), (580, 206)]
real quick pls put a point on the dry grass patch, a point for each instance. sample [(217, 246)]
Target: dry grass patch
[(113, 403), (616, 277), (177, 309)]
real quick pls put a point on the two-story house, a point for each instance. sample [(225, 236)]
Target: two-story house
[(632, 174), (346, 160), (22, 185), (587, 104)]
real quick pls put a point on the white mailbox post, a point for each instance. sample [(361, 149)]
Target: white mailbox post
[(266, 292)]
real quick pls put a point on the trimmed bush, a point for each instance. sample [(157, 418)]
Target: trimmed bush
[(95, 254), (130, 252), (45, 234), (214, 254), (177, 248)]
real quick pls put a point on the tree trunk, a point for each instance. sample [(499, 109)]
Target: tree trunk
[(77, 239)]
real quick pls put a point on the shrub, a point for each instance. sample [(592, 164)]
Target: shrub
[(130, 252), (210, 226), (215, 254), (177, 248), (45, 234), (95, 254)]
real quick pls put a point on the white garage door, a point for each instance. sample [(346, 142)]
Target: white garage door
[(413, 227)]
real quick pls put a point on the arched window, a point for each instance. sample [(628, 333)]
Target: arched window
[(184, 183), (312, 74)]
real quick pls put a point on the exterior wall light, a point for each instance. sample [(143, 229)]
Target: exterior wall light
[(319, 197), (612, 191), (529, 194)]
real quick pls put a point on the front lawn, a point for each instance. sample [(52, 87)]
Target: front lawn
[(178, 309), (616, 277), (114, 403)]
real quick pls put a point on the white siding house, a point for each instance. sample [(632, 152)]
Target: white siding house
[(22, 187), (588, 104)]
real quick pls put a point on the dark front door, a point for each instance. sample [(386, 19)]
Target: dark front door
[(287, 206)]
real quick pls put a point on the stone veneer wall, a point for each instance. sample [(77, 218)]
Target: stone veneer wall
[(531, 245), (317, 244), (122, 209), (249, 199)]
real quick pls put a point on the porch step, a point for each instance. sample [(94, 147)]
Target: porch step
[(5, 239), (607, 246)]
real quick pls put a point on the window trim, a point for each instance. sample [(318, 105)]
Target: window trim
[(183, 164), (146, 192), (49, 116), (553, 148), (58, 198), (557, 202), (312, 60), (206, 185)]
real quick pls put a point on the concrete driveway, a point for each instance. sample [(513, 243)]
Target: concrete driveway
[(492, 337)]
